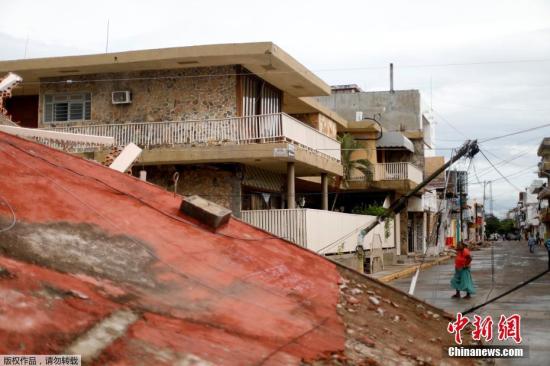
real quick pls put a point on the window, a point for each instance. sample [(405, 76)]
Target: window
[(67, 107), (259, 97)]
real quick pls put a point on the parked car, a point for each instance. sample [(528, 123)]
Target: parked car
[(494, 237), (513, 236)]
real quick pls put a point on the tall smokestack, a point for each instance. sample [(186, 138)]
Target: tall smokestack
[(391, 77)]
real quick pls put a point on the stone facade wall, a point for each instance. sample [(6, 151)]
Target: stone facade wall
[(327, 126), (163, 95), (320, 122), (219, 185)]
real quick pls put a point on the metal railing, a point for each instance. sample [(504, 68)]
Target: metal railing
[(266, 128), (391, 171), (325, 232), (397, 171), (60, 140), (289, 224)]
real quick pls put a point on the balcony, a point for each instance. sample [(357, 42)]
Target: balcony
[(269, 128), (391, 171), (324, 232), (400, 177), (397, 171)]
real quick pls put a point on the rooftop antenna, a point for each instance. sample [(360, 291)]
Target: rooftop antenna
[(391, 77), (26, 46), (107, 38)]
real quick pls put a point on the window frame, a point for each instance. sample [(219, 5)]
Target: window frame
[(83, 102)]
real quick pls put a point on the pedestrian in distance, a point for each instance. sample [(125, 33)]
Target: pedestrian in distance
[(462, 279), (531, 242), (547, 245)]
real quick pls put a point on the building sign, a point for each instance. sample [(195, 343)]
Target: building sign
[(284, 152)]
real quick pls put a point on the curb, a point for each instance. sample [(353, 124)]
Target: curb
[(412, 269)]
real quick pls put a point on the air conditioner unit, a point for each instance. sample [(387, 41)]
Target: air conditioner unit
[(121, 97)]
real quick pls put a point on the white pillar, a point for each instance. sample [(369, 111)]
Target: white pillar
[(291, 185)]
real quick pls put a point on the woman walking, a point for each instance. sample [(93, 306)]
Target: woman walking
[(462, 280)]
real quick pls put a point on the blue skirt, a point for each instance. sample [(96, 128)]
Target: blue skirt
[(462, 281)]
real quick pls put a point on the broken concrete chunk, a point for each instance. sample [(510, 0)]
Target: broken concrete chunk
[(374, 300), (92, 343), (356, 291), (4, 273), (380, 311), (367, 341), (206, 212), (342, 281)]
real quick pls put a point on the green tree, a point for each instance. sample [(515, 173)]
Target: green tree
[(492, 224), (506, 226), (348, 145)]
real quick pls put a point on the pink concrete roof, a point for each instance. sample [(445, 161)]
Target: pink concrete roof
[(90, 243)]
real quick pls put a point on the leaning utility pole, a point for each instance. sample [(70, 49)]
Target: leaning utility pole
[(469, 149), (460, 206)]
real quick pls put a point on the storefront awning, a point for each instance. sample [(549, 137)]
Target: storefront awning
[(395, 139)]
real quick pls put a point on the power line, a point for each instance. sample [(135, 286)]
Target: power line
[(514, 133), (508, 176), (14, 217), (522, 284), (450, 124), (272, 72), (501, 163), (498, 171)]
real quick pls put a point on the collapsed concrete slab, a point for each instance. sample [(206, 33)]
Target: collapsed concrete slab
[(105, 263)]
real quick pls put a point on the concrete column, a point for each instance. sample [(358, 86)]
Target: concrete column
[(324, 190), (424, 231), (290, 184)]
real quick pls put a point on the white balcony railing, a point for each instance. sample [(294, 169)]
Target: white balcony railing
[(392, 171), (59, 140), (267, 128), (397, 171), (325, 232)]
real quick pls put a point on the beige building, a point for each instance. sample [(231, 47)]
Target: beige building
[(398, 158), (236, 121)]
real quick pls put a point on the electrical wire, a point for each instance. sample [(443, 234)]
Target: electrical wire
[(515, 288), (451, 125), (274, 72), (514, 133), (499, 172), (139, 199), (14, 216)]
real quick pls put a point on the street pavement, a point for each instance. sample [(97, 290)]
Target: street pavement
[(512, 264)]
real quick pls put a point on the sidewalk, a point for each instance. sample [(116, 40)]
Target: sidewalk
[(396, 271)]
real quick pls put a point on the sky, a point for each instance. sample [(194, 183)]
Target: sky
[(483, 67)]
